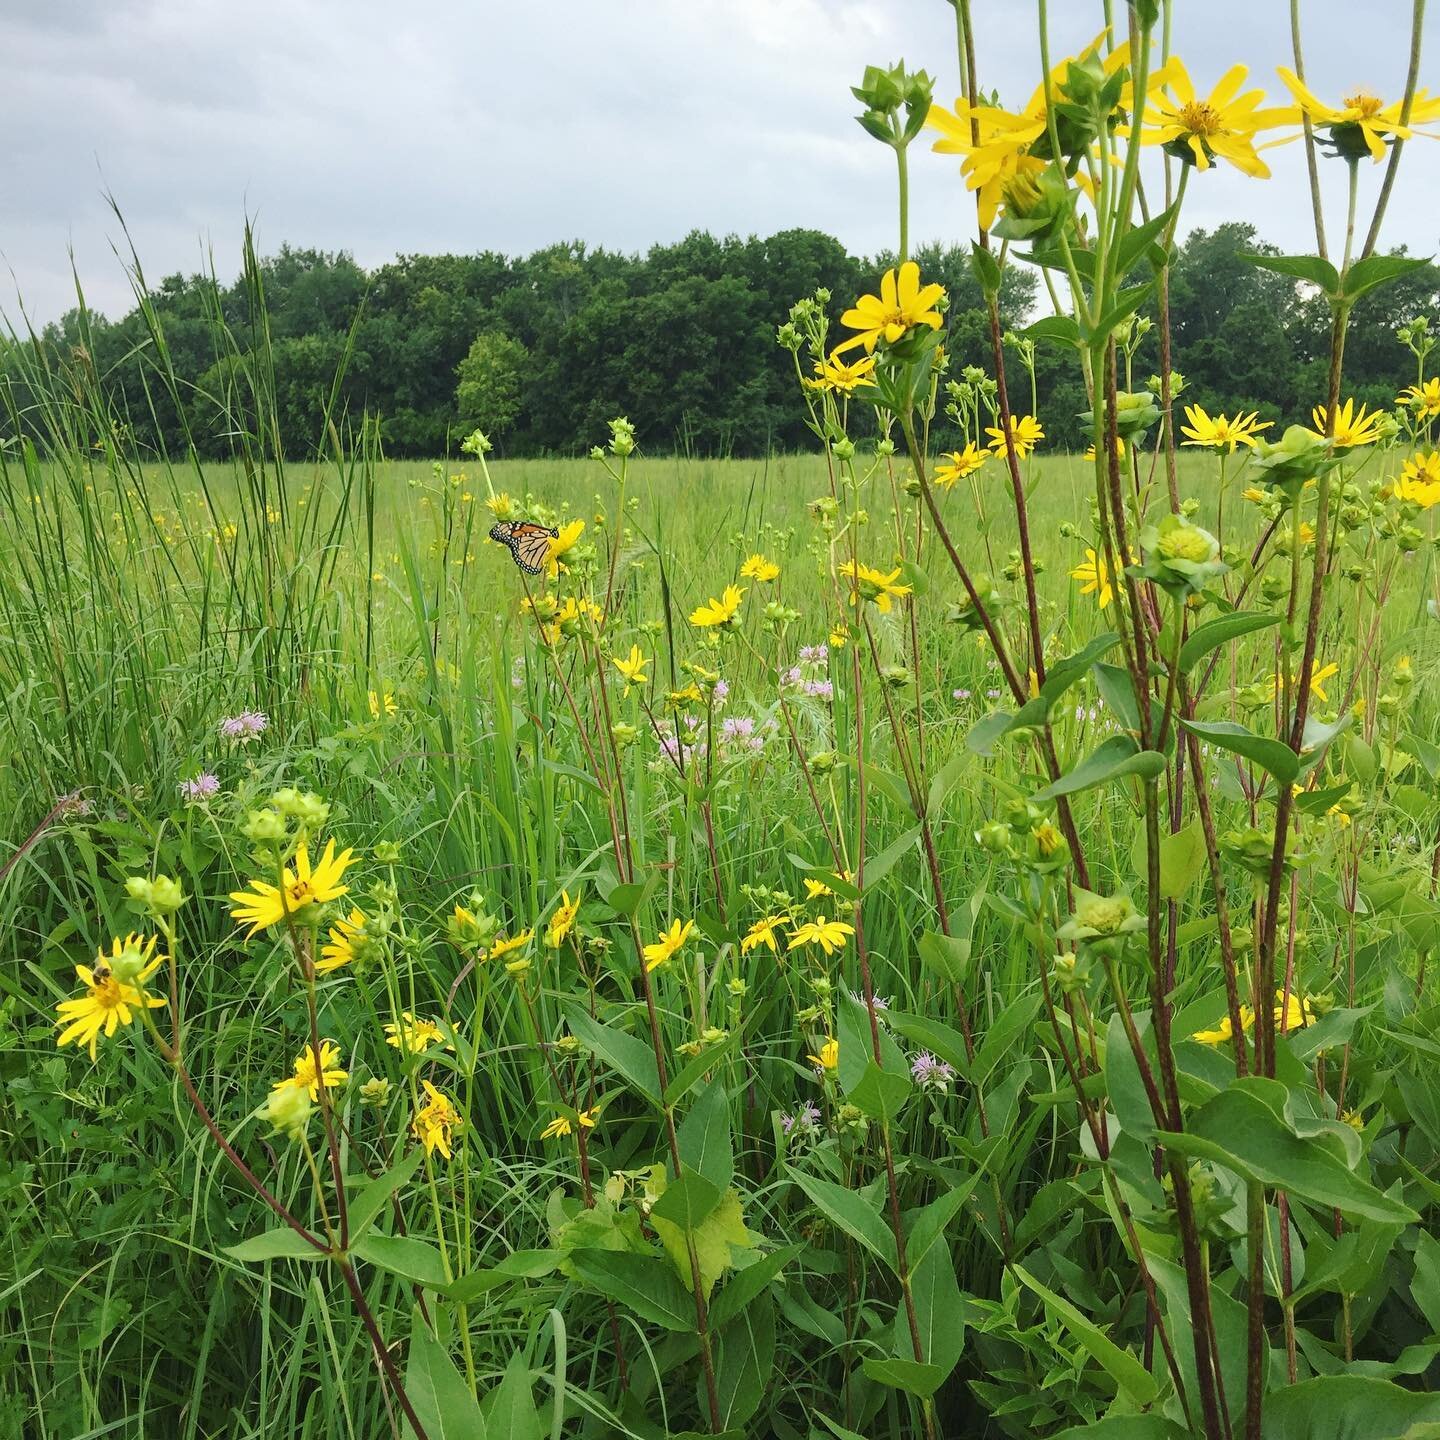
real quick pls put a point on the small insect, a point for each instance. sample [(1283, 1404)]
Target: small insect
[(101, 972), (529, 543)]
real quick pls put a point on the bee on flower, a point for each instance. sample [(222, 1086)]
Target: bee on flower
[(114, 992)]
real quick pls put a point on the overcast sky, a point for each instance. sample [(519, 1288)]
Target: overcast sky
[(385, 126)]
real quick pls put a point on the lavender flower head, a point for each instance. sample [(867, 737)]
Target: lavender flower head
[(248, 725), (930, 1073), (199, 788), (721, 691), (820, 689), (805, 1121), (961, 694), (814, 654)]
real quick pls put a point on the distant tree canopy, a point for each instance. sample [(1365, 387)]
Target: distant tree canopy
[(540, 352)]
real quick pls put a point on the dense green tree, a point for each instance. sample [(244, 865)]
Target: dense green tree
[(544, 349)]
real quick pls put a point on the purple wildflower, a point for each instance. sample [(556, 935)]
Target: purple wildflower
[(199, 788), (791, 676), (820, 689), (961, 694), (814, 654), (248, 725), (721, 692), (930, 1073)]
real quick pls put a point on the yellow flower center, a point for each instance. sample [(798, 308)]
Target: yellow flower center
[(299, 893), (105, 993), (1201, 119), (1365, 104)]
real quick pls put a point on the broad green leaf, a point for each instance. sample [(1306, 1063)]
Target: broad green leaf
[(703, 1137), (1126, 1427), (1220, 631), (929, 1224), (518, 1265), (369, 1200), (982, 735), (712, 1057), (1239, 1130), (948, 1044), (1273, 756), (881, 1094), (1376, 270), (510, 1408), (1310, 268), (749, 1282), (632, 1058), (847, 1210), (714, 1239), (1124, 1085), (687, 1200), (645, 1284), (1060, 677), (403, 1255), (442, 1400), (947, 955), (877, 867), (939, 1312), (1346, 1407), (1118, 757), (908, 1375), (744, 1363), (1122, 1367), (1182, 857), (282, 1243), (1062, 329)]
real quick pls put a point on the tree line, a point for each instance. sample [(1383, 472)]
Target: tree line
[(541, 351)]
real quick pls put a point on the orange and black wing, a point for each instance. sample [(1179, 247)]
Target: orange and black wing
[(529, 543)]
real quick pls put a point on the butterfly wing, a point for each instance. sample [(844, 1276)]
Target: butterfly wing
[(529, 543)]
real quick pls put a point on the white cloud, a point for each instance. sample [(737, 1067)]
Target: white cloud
[(465, 125)]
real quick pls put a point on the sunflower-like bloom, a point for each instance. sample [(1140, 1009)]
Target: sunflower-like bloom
[(310, 1075), (844, 376), (339, 950), (1225, 1030), (829, 935), (873, 585), (414, 1034), (829, 1056), (264, 905), (1119, 450), (762, 932), (1095, 577), (1221, 126), (757, 567), (563, 920), (505, 944), (435, 1121), (662, 950), (562, 544), (1219, 432), (719, 613), (1422, 399), (1361, 122), (902, 304), (1419, 481), (632, 667), (560, 1126), (958, 464), (114, 992), (1352, 426), (1025, 430)]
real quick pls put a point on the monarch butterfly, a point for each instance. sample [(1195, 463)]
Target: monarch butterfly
[(529, 543)]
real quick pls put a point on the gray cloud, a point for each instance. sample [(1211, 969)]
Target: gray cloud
[(380, 127)]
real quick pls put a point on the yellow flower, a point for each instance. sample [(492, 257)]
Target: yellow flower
[(670, 941), (632, 667), (1221, 126), (1352, 427), (1419, 481), (1025, 430), (689, 695), (829, 1056), (1361, 115), (264, 905), (563, 920), (309, 1076), (1292, 1013), (1423, 399), (721, 612), (382, 703), (340, 949), (829, 935), (757, 567), (815, 889), (111, 999), (958, 464), (435, 1121), (1224, 1030), (562, 544), (501, 506), (1255, 495), (839, 639), (1318, 678), (837, 374), (762, 932), (1219, 432), (873, 585), (902, 304), (1094, 572), (414, 1034), (504, 946), (560, 1126), (1119, 450)]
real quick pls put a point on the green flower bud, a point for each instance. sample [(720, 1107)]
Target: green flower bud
[(288, 1110)]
